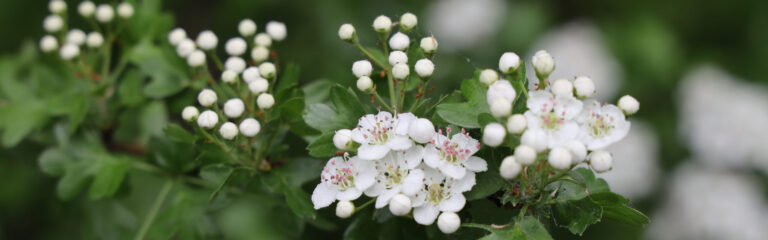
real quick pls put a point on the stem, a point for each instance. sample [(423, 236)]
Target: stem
[(522, 212), (368, 53), (477, 225), (381, 100), (107, 59), (364, 205), (391, 82), (154, 210), (216, 59)]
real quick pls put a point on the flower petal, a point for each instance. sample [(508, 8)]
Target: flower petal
[(413, 156), (413, 182), (365, 179), (404, 122), (399, 142), (323, 196), (384, 197), (349, 194), (372, 152), (431, 156), (454, 203), (540, 102), (476, 164), (425, 215), (464, 184), (453, 170), (374, 190)]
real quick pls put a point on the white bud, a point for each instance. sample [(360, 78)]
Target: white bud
[(509, 62), (250, 74), (196, 58), (235, 63), (382, 24), (488, 76), (560, 158), (267, 69), (421, 130), (525, 155), (629, 104), (94, 40), (584, 87), (104, 13), (250, 127), (69, 51), (399, 41), (347, 32), (493, 134), (246, 27), (543, 63), (228, 130), (207, 40), (344, 209), (428, 44), (408, 21), (362, 68), (57, 6), (48, 43), (86, 9), (277, 30), (600, 161), (76, 36), (189, 113), (509, 168), (53, 23), (176, 36), (502, 89), (517, 123), (448, 222), (235, 46), (400, 71), (262, 39), (364, 84), (265, 101), (185, 47), (260, 54), (536, 139), (424, 68), (500, 107), (228, 76), (207, 119), (577, 149), (400, 205), (562, 88), (234, 108), (342, 138), (206, 98), (125, 10), (396, 57), (258, 85)]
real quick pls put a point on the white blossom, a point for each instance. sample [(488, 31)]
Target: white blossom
[(428, 45), (448, 222), (207, 119), (57, 6), (196, 58), (233, 108), (69, 51), (380, 133), (494, 134), (342, 138), (235, 46), (185, 47), (408, 21), (400, 204), (86, 9), (439, 193), (177, 35), (263, 40), (509, 62), (628, 104), (364, 84), (104, 13), (517, 123), (400, 71), (276, 30), (259, 85), (246, 27), (344, 209), (207, 97), (421, 130), (48, 43), (362, 68), (397, 173), (347, 32), (602, 125), (343, 179), (250, 74), (502, 89), (228, 130), (396, 57), (265, 101), (249, 127), (382, 24), (500, 107), (76, 36), (600, 161), (555, 116), (577, 149), (207, 40), (424, 68), (560, 158), (228, 76), (125, 10), (236, 64), (488, 76), (53, 23), (454, 156), (267, 70), (562, 88), (94, 40), (543, 63), (399, 41), (510, 168), (535, 138), (260, 54), (189, 113), (525, 155), (584, 87)]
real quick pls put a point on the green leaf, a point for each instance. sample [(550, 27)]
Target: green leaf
[(485, 118), (177, 133), (19, 119), (576, 215), (474, 92), (586, 176), (488, 183), (460, 114), (323, 146), (378, 55), (167, 79), (78, 105), (75, 179), (346, 103), (615, 208), (289, 80), (153, 118), (54, 161), (325, 118), (532, 229), (129, 91), (109, 175), (215, 173), (298, 202)]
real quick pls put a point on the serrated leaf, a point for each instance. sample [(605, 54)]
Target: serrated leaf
[(576, 215), (298, 202), (177, 133), (586, 176), (488, 183), (323, 146), (325, 118), (108, 178), (54, 161), (460, 114), (289, 80), (615, 208), (346, 103), (533, 229)]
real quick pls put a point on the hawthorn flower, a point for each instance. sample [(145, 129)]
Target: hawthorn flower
[(228, 130), (509, 62), (235, 46), (250, 74), (94, 40), (382, 24), (399, 41), (380, 133), (125, 10), (233, 108), (207, 40), (177, 35), (246, 27), (562, 88), (448, 222), (500, 107), (347, 32), (76, 36), (421, 130), (342, 138), (408, 21), (494, 134), (364, 84), (543, 63), (104, 13), (265, 101), (516, 123), (69, 51), (53, 23), (276, 30), (554, 116), (344, 209), (428, 45), (600, 161), (207, 97), (343, 179), (525, 155), (235, 63), (259, 85), (189, 113), (629, 104), (602, 125), (510, 168), (249, 127), (362, 68), (396, 57), (584, 87), (400, 71), (185, 47), (207, 119), (57, 6), (454, 156), (488, 76), (439, 193), (577, 149), (397, 173), (263, 40), (400, 205), (260, 54), (501, 88), (267, 69), (559, 158), (48, 43), (196, 58), (424, 68), (228, 76), (86, 9)]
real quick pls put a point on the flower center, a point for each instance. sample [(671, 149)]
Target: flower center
[(436, 193), (394, 175), (599, 125), (452, 152), (550, 121)]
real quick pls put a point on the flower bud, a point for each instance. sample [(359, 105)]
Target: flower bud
[(560, 158), (577, 149), (86, 9), (57, 6), (396, 57), (246, 27), (250, 74), (228, 130), (262, 39), (502, 89), (235, 46), (424, 68), (400, 205), (267, 70), (69, 51), (509, 62), (207, 119), (259, 85), (125, 10), (448, 222), (250, 127), (362, 68), (233, 108), (382, 24), (562, 88), (629, 104), (535, 138), (600, 161), (517, 123), (277, 30), (265, 101), (525, 155), (509, 168), (235, 63), (259, 54), (76, 36), (364, 84), (228, 76), (94, 40), (584, 87), (500, 107), (488, 76), (48, 43), (185, 48), (543, 64), (104, 13), (207, 40), (493, 134), (347, 32), (206, 98), (341, 138), (408, 21), (399, 41), (176, 36), (189, 113), (344, 209), (428, 45), (196, 58), (400, 71), (421, 130), (53, 23)]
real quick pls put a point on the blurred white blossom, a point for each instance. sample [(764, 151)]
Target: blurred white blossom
[(635, 170), (462, 24)]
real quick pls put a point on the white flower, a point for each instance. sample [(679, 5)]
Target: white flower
[(424, 68), (176, 36), (454, 157), (543, 63), (509, 62), (501, 88), (560, 158), (263, 40), (125, 10), (228, 130), (397, 173), (207, 97), (428, 45), (185, 47), (207, 40), (629, 104), (509, 168), (343, 179), (525, 155), (500, 107), (104, 13), (577, 149), (69, 51), (408, 21), (362, 68), (584, 87), (562, 88), (76, 36), (86, 9), (189, 113), (48, 43), (535, 138), (250, 127), (250, 74), (364, 83), (468, 25), (228, 76), (382, 24), (602, 125), (259, 85), (260, 54), (600, 161), (267, 69), (421, 130), (488, 76), (265, 101), (440, 193), (94, 40), (494, 134), (235, 46), (344, 209), (342, 138), (236, 64), (347, 32), (400, 204), (399, 41), (516, 123), (448, 222), (396, 57), (233, 108), (380, 133), (53, 23), (555, 116), (276, 30), (57, 6), (196, 58), (207, 119), (636, 173), (400, 71), (246, 27)]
